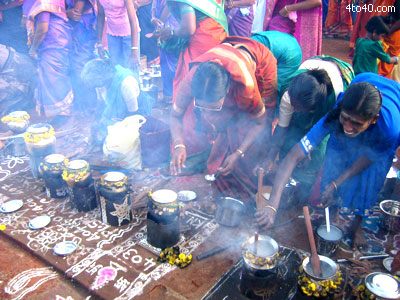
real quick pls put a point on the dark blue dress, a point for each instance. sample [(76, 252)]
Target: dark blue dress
[(378, 143)]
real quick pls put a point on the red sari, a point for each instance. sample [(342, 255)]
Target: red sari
[(209, 33), (251, 83)]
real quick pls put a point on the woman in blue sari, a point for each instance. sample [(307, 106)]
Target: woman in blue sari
[(49, 37), (364, 129)]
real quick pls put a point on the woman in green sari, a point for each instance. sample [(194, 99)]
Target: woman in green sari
[(311, 94)]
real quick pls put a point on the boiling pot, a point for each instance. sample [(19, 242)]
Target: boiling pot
[(260, 255)]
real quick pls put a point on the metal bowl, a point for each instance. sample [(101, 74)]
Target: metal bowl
[(329, 268), (383, 285), (390, 219), (229, 211)]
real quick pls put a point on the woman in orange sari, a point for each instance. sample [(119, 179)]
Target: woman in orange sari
[(338, 21), (229, 94), (391, 43), (203, 25)]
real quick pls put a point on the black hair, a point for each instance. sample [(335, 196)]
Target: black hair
[(97, 72), (362, 98), (210, 82), (310, 88), (378, 24)]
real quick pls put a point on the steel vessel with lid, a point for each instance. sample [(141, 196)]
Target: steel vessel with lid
[(52, 168), (163, 219), (80, 183), (40, 141), (115, 203)]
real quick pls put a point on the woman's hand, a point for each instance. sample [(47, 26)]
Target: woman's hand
[(268, 166), (327, 196), (99, 50), (265, 217), (284, 12), (74, 14), (134, 60), (165, 33), (157, 22), (229, 164), (178, 161), (33, 54)]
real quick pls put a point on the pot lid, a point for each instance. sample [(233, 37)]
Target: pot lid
[(77, 164), (383, 285), (54, 158), (18, 113), (164, 196), (114, 176), (335, 234), (39, 128)]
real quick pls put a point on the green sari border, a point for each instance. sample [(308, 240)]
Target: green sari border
[(209, 8)]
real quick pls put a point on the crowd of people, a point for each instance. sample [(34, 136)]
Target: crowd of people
[(247, 90)]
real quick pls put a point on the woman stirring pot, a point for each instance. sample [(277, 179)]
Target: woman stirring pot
[(364, 130)]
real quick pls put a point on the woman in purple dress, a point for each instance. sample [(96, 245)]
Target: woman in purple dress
[(49, 38)]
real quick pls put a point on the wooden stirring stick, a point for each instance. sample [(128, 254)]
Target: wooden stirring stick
[(315, 262), (259, 200), (255, 243)]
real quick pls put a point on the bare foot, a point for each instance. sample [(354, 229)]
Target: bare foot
[(357, 235), (359, 240)]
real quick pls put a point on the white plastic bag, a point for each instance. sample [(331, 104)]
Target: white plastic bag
[(122, 144)]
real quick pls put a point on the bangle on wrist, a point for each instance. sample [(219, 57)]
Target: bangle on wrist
[(179, 146), (286, 9), (134, 48), (241, 153), (271, 207), (334, 185)]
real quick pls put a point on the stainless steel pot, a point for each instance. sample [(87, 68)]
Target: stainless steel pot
[(230, 211), (261, 256), (328, 242), (390, 219)]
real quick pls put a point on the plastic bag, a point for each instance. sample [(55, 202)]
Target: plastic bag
[(122, 144)]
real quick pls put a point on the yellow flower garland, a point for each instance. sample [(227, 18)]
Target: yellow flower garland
[(75, 175), (9, 119), (318, 288), (55, 167), (37, 137)]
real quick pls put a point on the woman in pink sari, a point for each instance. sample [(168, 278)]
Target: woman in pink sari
[(303, 19)]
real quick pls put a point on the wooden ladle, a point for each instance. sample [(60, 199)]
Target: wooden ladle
[(315, 262), (259, 199)]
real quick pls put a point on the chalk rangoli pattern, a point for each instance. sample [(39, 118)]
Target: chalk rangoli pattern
[(107, 257)]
